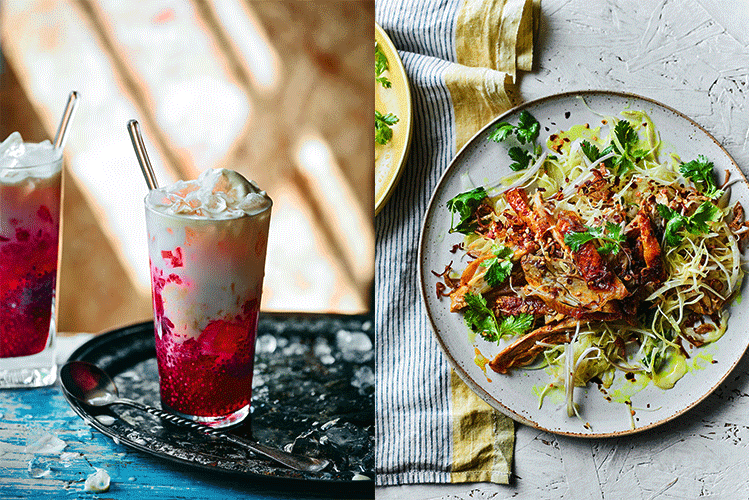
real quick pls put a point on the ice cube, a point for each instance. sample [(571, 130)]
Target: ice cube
[(354, 346), (38, 468), (363, 380), (98, 482), (266, 344), (45, 443), (12, 146), (39, 154)]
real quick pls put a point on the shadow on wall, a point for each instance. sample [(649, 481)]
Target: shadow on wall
[(279, 91)]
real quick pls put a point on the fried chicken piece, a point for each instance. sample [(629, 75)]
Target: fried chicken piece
[(523, 351)]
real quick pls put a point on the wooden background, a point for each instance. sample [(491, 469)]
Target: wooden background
[(280, 91)]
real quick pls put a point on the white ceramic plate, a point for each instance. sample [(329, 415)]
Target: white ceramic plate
[(390, 158), (513, 394)]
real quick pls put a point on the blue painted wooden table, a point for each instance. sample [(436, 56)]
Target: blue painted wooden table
[(48, 451)]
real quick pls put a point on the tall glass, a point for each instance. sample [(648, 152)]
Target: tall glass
[(207, 278), (30, 204)]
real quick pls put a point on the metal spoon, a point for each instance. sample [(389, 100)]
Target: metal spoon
[(90, 385)]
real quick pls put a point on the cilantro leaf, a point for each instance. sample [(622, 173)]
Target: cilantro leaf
[(527, 129), (706, 212), (465, 204), (625, 165), (383, 132), (499, 270), (502, 251), (526, 132), (479, 318), (625, 134), (384, 81), (381, 65), (695, 223), (516, 325), (591, 151), (626, 140), (674, 224), (499, 266), (611, 238), (520, 157), (700, 171), (639, 154), (501, 132), (577, 239)]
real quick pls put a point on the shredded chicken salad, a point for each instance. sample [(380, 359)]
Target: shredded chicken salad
[(597, 258)]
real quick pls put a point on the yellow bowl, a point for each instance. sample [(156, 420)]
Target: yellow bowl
[(391, 157)]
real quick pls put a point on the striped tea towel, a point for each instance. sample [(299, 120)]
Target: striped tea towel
[(461, 57)]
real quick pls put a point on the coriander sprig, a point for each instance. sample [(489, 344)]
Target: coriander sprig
[(701, 173), (526, 132), (521, 158), (480, 319), (591, 151), (383, 132), (383, 122), (624, 148), (499, 266), (381, 65), (465, 205), (610, 236), (695, 223)]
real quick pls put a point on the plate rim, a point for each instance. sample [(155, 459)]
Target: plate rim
[(396, 173), (457, 368)]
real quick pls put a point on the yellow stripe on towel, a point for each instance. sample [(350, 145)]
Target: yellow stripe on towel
[(493, 40), (496, 34), (478, 95), (483, 439)]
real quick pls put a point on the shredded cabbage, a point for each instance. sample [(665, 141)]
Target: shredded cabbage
[(703, 271)]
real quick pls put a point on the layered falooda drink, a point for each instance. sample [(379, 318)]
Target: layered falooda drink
[(30, 201), (207, 242)]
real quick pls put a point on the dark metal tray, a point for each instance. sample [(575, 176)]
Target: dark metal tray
[(313, 393)]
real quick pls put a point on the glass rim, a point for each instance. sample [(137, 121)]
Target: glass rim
[(57, 159), (201, 219)]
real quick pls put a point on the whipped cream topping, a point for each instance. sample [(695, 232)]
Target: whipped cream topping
[(216, 194)]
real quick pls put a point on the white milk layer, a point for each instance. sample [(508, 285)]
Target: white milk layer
[(207, 262)]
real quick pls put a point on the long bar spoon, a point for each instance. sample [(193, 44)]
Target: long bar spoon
[(91, 385)]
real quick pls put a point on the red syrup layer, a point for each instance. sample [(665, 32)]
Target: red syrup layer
[(28, 273), (211, 375)]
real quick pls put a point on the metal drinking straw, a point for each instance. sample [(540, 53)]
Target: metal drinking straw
[(142, 154), (62, 130)]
